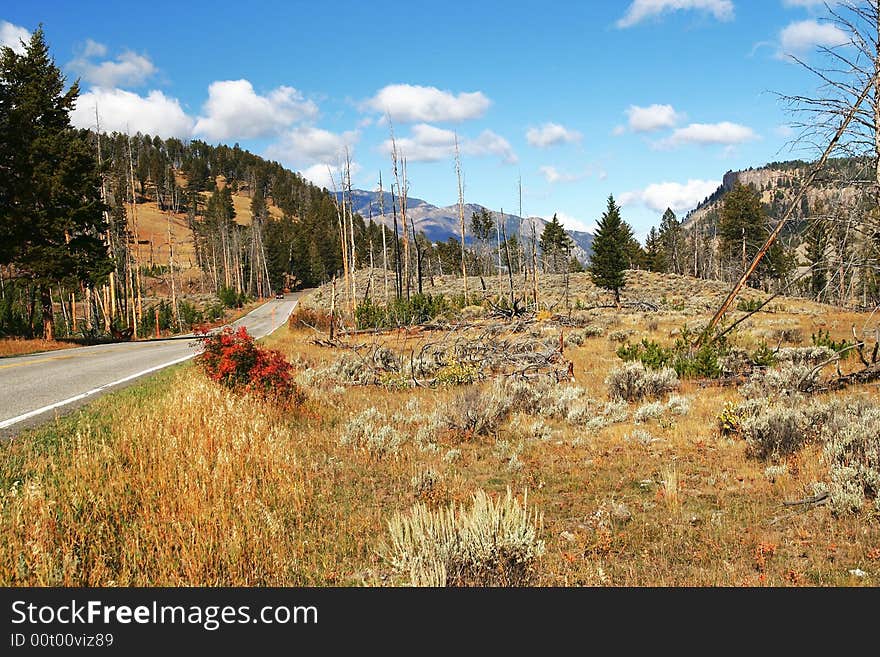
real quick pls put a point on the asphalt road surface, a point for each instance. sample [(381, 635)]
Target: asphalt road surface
[(39, 387)]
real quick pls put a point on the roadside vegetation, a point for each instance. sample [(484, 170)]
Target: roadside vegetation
[(627, 475)]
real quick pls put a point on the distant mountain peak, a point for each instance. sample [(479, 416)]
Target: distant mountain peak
[(441, 223)]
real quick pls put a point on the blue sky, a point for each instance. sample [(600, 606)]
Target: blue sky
[(649, 100)]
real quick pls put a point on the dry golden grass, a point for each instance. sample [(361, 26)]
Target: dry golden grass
[(21, 346), (178, 482)]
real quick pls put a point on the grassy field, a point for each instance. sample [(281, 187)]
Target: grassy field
[(179, 482), (20, 346)]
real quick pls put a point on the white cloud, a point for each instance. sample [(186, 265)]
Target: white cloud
[(553, 175), (618, 130), (128, 69), (93, 49), (491, 143), (802, 36), (726, 133), (652, 117), (427, 143), (571, 222), (12, 35), (235, 111), (413, 103), (551, 134), (327, 175), (784, 131), (808, 4), (124, 111), (641, 10), (680, 197), (307, 145)]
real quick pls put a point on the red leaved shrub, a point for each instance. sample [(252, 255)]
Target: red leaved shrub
[(231, 358)]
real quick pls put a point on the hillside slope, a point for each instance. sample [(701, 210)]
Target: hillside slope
[(779, 182), (152, 227)]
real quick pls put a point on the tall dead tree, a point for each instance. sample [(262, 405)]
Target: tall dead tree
[(461, 218), (816, 169), (353, 253), (398, 166), (843, 71), (384, 245)]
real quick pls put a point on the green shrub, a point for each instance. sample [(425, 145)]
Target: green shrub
[(823, 339), (749, 305), (763, 356), (418, 309), (229, 298), (189, 314), (687, 361)]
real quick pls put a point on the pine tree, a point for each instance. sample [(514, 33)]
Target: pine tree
[(654, 255), (817, 243), (610, 258), (743, 230), (555, 245), (51, 215), (671, 243), (741, 226)]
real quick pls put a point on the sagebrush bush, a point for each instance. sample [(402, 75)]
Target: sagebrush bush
[(805, 355), (492, 543), (776, 431), (648, 411), (478, 412), (371, 431), (633, 382), (852, 451), (784, 381)]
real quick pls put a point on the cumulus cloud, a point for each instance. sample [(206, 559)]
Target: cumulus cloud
[(235, 111), (651, 118), (491, 143), (306, 145), (570, 222), (678, 196), (124, 111), (327, 175), (551, 134), (553, 175), (129, 69), (802, 36), (725, 133), (427, 143), (412, 103), (12, 35), (641, 10)]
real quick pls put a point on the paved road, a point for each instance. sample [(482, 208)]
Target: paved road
[(38, 387)]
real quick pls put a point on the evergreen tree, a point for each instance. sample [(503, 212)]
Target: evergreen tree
[(483, 228), (51, 214), (671, 243), (654, 256), (610, 258), (556, 246), (817, 243), (743, 230)]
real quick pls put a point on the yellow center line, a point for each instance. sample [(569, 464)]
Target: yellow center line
[(65, 357)]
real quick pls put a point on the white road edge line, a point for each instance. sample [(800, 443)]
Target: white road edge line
[(24, 416), (39, 411)]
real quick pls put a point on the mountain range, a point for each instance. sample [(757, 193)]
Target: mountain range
[(441, 223)]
